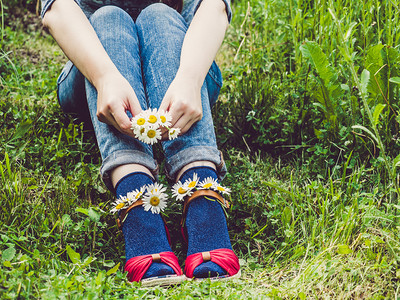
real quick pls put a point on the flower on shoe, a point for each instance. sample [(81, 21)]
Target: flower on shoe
[(180, 191), (207, 183), (135, 195), (155, 187), (119, 204), (192, 183), (222, 189), (155, 198)]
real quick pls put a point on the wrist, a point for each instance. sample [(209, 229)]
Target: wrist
[(190, 78), (104, 76)]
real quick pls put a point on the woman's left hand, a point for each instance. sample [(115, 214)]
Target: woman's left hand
[(183, 101)]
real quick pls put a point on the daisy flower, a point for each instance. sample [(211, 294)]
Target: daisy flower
[(180, 191), (165, 118), (207, 183), (173, 133), (155, 188), (139, 131), (119, 204), (138, 121), (152, 116), (191, 184), (135, 195), (221, 189), (150, 135), (155, 199)]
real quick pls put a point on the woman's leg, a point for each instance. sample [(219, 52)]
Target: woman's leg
[(117, 32), (125, 159), (161, 31)]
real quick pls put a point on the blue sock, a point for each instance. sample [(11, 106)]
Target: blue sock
[(206, 226), (144, 232)]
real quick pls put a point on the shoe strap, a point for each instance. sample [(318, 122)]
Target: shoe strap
[(124, 213), (202, 193)]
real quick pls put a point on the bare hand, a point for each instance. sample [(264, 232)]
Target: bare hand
[(115, 98), (183, 101)]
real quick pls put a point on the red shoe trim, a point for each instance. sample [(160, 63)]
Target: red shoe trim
[(138, 266), (225, 258)]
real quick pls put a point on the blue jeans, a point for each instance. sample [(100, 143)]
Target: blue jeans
[(147, 53)]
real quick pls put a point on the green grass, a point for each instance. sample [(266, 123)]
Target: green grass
[(311, 222)]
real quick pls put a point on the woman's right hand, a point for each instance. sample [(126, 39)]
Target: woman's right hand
[(115, 97), (80, 43)]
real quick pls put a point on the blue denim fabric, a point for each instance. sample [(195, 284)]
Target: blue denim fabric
[(147, 53)]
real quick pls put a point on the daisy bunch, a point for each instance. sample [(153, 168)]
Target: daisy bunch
[(148, 124), (152, 196), (181, 190)]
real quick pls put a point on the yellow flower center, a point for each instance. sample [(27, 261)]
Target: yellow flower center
[(192, 184), (119, 206), (163, 119), (181, 190), (138, 195), (207, 185), (151, 133), (220, 188), (141, 121), (142, 131), (154, 200), (152, 119), (172, 131)]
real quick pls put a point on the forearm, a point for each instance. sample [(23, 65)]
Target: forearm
[(77, 38), (202, 41)]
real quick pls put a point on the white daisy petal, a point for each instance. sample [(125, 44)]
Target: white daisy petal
[(135, 195), (222, 189), (156, 188), (207, 184), (180, 191), (192, 183), (153, 117), (173, 133), (165, 118), (150, 135), (155, 199), (137, 121), (119, 204)]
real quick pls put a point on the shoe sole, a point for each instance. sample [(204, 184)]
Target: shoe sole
[(163, 280), (220, 278)]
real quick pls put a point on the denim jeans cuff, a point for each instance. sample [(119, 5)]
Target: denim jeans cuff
[(193, 154), (124, 157)]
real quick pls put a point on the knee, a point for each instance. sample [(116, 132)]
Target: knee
[(109, 15), (157, 14)]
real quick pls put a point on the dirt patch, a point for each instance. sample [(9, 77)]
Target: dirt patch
[(23, 19)]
